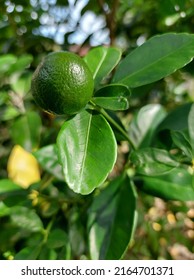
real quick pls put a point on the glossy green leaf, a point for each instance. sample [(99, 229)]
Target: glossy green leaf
[(176, 185), (182, 141), (153, 161), (112, 97), (155, 59), (112, 103), (191, 127), (26, 131), (26, 218), (87, 151), (111, 220), (145, 123), (48, 159), (101, 61)]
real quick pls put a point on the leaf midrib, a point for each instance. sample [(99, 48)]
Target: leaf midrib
[(85, 150), (155, 62)]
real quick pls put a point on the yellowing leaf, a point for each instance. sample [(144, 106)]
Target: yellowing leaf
[(22, 167)]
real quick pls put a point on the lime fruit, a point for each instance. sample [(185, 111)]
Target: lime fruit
[(62, 83)]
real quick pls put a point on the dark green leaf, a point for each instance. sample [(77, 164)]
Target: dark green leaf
[(112, 97), (176, 185), (26, 219), (155, 59), (181, 140), (191, 127), (87, 151), (176, 119), (48, 159), (145, 123), (112, 219), (101, 61), (28, 253), (26, 131), (152, 161), (56, 239)]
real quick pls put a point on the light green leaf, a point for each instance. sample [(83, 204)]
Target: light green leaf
[(155, 59), (111, 220), (21, 85), (48, 159), (26, 131), (145, 123), (6, 61), (7, 186), (153, 161), (101, 61), (87, 151), (21, 63)]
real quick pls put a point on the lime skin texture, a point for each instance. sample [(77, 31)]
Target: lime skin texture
[(62, 84)]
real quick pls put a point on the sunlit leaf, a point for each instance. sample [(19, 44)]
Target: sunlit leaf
[(101, 61), (155, 59), (83, 142)]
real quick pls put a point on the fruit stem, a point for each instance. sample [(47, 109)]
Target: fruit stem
[(113, 122)]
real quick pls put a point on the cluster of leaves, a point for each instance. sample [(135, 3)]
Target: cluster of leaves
[(74, 211)]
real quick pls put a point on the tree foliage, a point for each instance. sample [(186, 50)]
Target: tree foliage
[(131, 149)]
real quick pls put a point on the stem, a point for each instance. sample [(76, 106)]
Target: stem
[(113, 122)]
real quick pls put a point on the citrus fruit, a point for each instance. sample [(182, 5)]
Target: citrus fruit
[(62, 83)]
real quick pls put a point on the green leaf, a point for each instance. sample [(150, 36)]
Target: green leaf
[(7, 186), (112, 97), (176, 119), (153, 161), (191, 127), (48, 159), (145, 123), (101, 61), (176, 185), (4, 210), (21, 63), (21, 85), (111, 220), (56, 239), (26, 219), (155, 59), (6, 61), (26, 131), (181, 140), (28, 253), (87, 151)]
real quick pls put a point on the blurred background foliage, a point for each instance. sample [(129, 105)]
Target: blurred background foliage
[(46, 215)]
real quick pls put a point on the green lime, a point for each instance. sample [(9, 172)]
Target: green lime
[(62, 83)]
